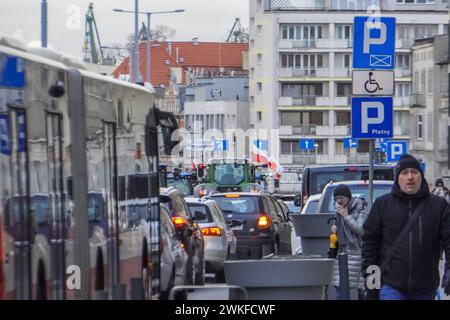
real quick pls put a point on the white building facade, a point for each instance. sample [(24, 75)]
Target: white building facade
[(300, 71)]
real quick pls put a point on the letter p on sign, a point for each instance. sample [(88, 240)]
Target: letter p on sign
[(366, 120)]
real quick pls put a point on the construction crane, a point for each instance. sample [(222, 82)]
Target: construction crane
[(237, 32), (92, 46)]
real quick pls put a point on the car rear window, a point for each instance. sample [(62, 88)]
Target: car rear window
[(203, 209), (241, 205), (311, 206), (327, 205)]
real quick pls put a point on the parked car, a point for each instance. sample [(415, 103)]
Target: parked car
[(296, 244), (288, 199), (173, 257), (264, 229), (220, 242), (359, 188), (189, 233), (311, 204)]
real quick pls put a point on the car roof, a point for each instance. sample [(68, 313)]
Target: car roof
[(246, 194), (199, 201), (314, 197), (317, 166), (362, 182)]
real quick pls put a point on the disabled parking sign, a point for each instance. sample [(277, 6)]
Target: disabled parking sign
[(372, 117), (374, 43)]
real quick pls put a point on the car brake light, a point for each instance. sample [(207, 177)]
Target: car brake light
[(263, 222), (352, 169), (212, 231), (179, 222), (202, 193)]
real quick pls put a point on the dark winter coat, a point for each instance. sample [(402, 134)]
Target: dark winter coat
[(414, 267)]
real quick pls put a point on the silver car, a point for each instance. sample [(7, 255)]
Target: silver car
[(173, 256), (220, 242)]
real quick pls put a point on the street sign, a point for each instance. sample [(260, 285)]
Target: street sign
[(262, 144), (372, 117), (12, 73), (373, 83), (220, 145), (350, 143), (374, 43), (307, 144), (395, 149), (381, 143)]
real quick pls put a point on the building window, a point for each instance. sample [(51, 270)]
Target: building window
[(419, 127), (259, 58), (339, 147), (343, 118), (402, 61), (286, 148), (301, 32), (344, 32), (252, 44), (306, 62), (252, 99), (291, 118), (430, 81), (259, 116), (402, 89), (258, 5), (259, 86), (363, 146), (297, 90), (252, 72), (344, 89), (259, 29), (252, 22)]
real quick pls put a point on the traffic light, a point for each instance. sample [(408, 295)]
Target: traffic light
[(201, 171)]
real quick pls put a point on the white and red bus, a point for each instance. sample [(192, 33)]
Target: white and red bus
[(70, 143)]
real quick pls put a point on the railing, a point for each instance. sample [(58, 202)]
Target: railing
[(401, 73), (311, 72), (343, 72), (307, 129)]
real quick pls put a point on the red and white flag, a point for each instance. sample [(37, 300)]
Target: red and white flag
[(261, 156)]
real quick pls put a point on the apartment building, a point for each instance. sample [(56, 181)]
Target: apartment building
[(429, 105), (300, 71)]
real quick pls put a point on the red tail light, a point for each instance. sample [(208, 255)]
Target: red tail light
[(179, 222), (264, 222), (212, 232)]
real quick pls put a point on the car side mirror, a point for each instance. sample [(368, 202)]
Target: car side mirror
[(298, 200), (199, 216)]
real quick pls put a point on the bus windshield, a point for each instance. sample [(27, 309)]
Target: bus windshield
[(229, 174), (181, 185)]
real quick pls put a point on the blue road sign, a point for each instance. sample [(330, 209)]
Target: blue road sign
[(262, 144), (374, 43), (395, 149), (423, 165), (372, 117), (12, 73), (350, 143), (307, 144), (220, 145)]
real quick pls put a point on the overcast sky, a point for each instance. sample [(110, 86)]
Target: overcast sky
[(209, 20)]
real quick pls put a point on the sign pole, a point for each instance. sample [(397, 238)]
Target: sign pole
[(371, 151)]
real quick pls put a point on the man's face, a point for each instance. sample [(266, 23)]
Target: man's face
[(341, 200), (410, 180)]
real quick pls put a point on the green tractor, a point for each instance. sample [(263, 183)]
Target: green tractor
[(225, 175)]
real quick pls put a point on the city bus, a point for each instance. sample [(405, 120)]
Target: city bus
[(68, 138)]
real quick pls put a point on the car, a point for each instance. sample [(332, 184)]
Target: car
[(173, 257), (288, 199), (264, 228), (359, 188), (220, 242), (189, 233), (296, 245), (311, 204)]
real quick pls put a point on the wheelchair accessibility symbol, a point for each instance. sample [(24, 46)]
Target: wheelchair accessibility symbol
[(373, 83)]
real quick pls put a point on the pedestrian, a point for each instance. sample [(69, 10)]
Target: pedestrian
[(403, 236), (441, 190), (350, 216)]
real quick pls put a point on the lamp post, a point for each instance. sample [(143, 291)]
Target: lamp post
[(148, 14), (44, 24)]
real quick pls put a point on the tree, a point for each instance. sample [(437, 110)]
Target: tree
[(159, 33)]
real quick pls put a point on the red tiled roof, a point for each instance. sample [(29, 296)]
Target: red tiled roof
[(207, 55)]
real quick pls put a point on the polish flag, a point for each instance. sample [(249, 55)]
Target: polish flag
[(261, 156)]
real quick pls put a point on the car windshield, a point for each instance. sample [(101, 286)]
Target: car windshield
[(311, 206), (241, 205), (181, 185), (328, 205), (200, 208), (229, 174)]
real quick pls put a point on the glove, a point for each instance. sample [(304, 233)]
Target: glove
[(446, 282)]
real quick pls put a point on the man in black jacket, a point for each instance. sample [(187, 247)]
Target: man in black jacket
[(413, 271)]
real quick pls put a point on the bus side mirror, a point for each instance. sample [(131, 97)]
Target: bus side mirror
[(151, 141), (298, 200)]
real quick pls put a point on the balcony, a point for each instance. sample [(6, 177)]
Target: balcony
[(343, 72), (331, 102), (418, 100), (306, 129), (313, 72), (333, 131), (343, 101), (358, 158), (343, 43), (403, 43), (304, 159), (402, 73), (285, 102), (297, 101), (286, 130), (402, 101)]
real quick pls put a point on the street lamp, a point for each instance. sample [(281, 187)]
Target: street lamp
[(148, 14)]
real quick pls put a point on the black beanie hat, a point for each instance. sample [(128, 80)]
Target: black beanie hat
[(439, 183), (407, 161), (342, 190)]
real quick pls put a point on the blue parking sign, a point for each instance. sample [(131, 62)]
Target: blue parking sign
[(262, 144), (374, 43), (372, 117), (395, 149), (306, 144), (220, 145)]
